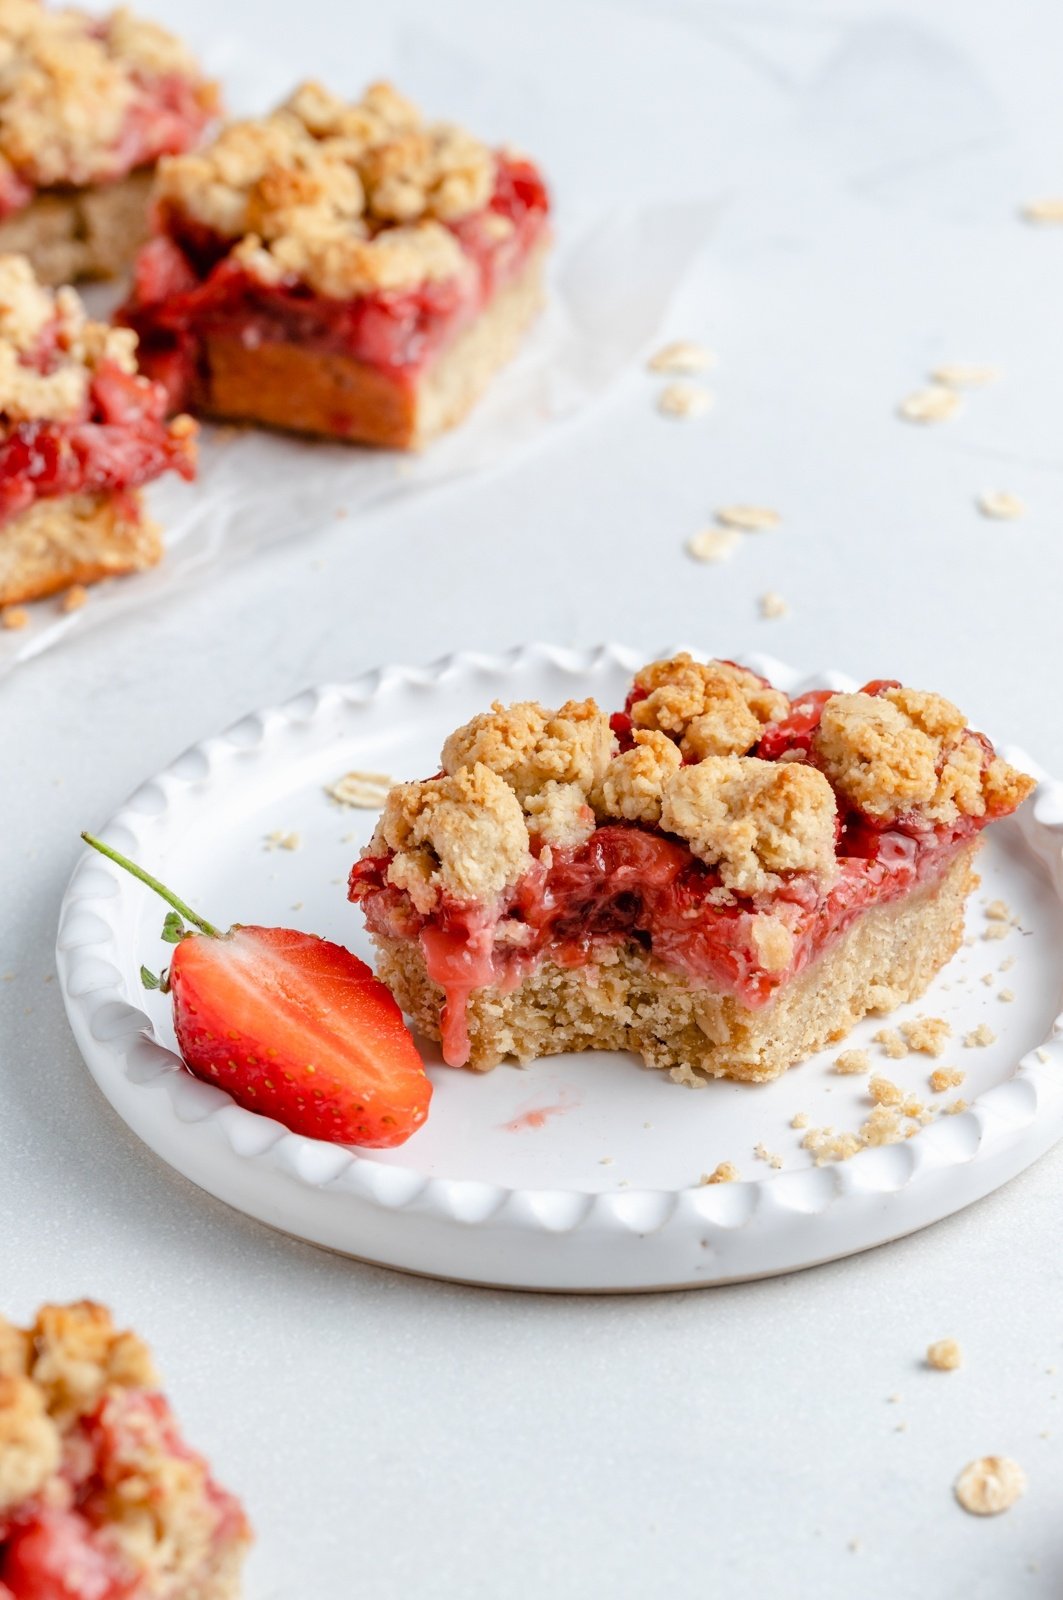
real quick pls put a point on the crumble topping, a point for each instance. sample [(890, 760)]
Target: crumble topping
[(464, 833), (773, 942), (944, 1355), (990, 1485), (83, 1427), (907, 750), (350, 198), (982, 1035), (852, 1063), (725, 1172), (560, 815), (943, 1078), (772, 605), (753, 819), (926, 1035), (31, 314), (935, 403), (712, 707), (632, 789), (68, 85), (528, 745)]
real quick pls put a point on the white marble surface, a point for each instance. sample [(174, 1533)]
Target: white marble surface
[(393, 1436)]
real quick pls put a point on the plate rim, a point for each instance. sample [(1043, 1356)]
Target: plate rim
[(115, 1035)]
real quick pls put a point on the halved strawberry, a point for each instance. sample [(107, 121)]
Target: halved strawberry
[(292, 1026)]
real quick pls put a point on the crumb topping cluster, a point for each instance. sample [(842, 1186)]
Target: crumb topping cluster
[(72, 1378), (52, 1374), (351, 198), (521, 779), (69, 82), (906, 750), (49, 348)]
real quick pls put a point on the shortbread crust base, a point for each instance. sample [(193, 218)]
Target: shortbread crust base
[(332, 396), (626, 1001), (78, 538), (73, 234)]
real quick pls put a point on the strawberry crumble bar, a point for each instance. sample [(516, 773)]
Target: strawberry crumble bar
[(100, 1497), (717, 877), (87, 106), (80, 432), (346, 270)]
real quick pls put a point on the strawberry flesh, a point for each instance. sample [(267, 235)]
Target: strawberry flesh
[(297, 1028)]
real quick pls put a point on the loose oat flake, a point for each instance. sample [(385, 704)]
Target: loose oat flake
[(364, 791), (684, 400), (1000, 505), (279, 839), (750, 519), (990, 1485), (1049, 209), (964, 375), (682, 355), (936, 403), (713, 544)]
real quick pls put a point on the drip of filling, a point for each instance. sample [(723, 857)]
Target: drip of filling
[(120, 442), (187, 287), (633, 884), (60, 1546)]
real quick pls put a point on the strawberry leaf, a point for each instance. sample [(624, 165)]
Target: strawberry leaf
[(148, 979), (173, 929)]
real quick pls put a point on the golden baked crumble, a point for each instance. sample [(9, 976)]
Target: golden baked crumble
[(528, 745), (27, 312), (753, 819), (633, 785), (159, 1510), (906, 750), (560, 815), (350, 198), (713, 708), (68, 82), (464, 833)]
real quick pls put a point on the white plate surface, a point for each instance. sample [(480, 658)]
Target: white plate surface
[(579, 1172)]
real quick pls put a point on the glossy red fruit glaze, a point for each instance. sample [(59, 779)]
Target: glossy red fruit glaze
[(120, 443), (60, 1556), (298, 1029), (186, 287)]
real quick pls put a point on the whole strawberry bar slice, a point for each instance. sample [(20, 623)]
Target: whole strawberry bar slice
[(291, 1025), (715, 877), (340, 269), (87, 106), (81, 431), (100, 1497)]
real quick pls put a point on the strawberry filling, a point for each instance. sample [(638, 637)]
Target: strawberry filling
[(187, 287), (120, 442), (67, 1549), (633, 884)]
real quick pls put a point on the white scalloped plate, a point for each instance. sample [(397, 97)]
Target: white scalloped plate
[(580, 1172)]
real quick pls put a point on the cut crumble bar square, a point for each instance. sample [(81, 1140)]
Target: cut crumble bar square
[(87, 106), (100, 1497), (716, 877), (81, 431), (345, 270)]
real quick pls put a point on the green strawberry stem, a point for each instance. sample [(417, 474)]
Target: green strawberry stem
[(153, 883)]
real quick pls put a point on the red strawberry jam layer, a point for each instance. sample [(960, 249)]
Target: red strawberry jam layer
[(187, 287), (166, 117), (61, 1546), (120, 442), (629, 884)]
